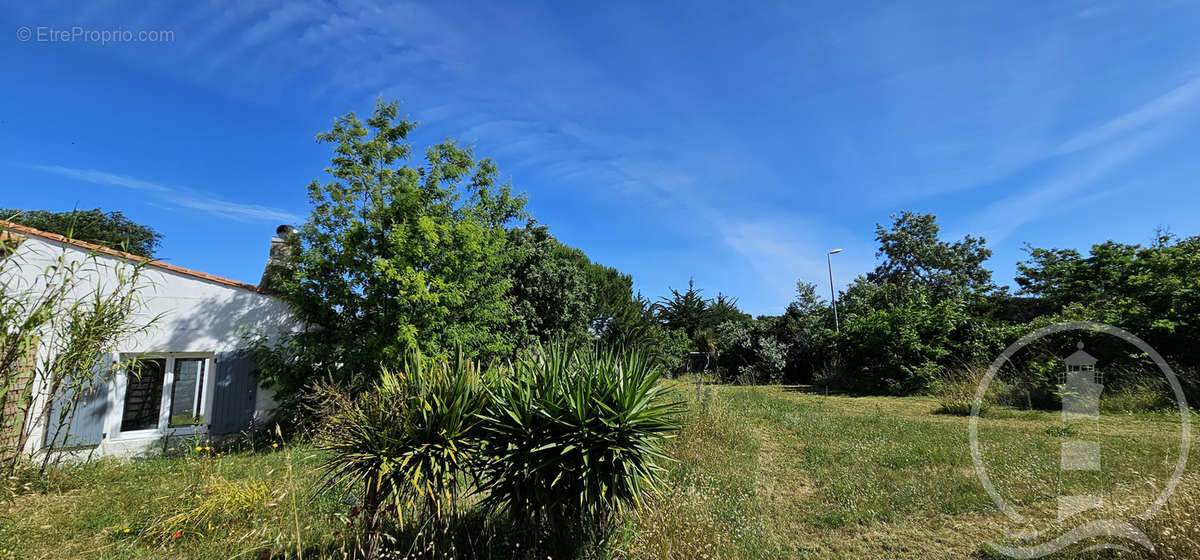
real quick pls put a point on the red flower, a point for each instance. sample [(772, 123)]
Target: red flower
[(353, 511), (176, 535), (349, 523), (337, 533), (390, 507)]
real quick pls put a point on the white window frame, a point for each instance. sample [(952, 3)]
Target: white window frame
[(164, 408)]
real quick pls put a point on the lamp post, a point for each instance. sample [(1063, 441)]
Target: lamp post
[(832, 294)]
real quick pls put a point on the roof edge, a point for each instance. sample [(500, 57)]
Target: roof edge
[(101, 249)]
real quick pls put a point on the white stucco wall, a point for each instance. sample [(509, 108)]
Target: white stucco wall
[(194, 316)]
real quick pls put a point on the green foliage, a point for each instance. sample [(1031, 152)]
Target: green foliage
[(896, 343), (913, 253), (910, 319), (575, 434), (686, 311), (409, 440), (753, 354), (806, 328), (395, 258), (1152, 291), (553, 294), (690, 312), (55, 333), (1062, 430), (110, 229)]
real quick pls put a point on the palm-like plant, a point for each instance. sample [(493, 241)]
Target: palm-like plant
[(574, 435), (408, 440)]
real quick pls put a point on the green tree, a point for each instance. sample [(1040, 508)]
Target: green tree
[(687, 311), (395, 258), (110, 229), (806, 329), (723, 309), (913, 253), (911, 318), (1152, 291), (552, 295)]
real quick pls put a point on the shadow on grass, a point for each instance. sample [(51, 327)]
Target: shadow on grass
[(475, 534)]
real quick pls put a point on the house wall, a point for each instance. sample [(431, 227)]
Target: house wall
[(190, 315)]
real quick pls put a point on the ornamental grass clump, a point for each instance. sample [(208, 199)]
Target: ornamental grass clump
[(573, 435)]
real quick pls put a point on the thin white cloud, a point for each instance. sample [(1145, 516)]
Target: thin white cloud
[(1003, 217), (1092, 156), (782, 253), (178, 196), (1166, 105)]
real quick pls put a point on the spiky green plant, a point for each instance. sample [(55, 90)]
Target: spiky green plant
[(575, 434), (407, 441)]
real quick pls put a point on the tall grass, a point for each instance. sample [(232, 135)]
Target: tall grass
[(956, 390)]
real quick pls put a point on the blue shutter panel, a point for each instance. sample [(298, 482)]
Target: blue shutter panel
[(234, 393), (85, 424)]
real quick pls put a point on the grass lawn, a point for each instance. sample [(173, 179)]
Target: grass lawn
[(763, 472), (774, 472)]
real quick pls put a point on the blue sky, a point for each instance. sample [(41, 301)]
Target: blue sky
[(730, 144)]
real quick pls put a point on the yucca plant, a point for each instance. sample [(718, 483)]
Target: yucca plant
[(573, 435), (408, 441)]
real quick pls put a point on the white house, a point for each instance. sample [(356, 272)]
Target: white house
[(195, 376)]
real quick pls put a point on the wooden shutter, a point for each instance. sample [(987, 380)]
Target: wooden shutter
[(233, 396), (83, 426)]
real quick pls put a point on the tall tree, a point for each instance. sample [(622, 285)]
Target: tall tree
[(395, 258), (912, 252), (686, 311), (551, 293), (110, 229)]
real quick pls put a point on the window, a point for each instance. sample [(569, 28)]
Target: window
[(143, 394), (164, 391), (185, 391)]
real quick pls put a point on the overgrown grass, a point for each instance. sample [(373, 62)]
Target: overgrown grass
[(760, 472), (233, 505)]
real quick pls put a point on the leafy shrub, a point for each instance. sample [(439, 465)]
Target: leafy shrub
[(409, 439), (752, 354), (575, 434)]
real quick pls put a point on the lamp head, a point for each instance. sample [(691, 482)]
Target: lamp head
[(835, 251)]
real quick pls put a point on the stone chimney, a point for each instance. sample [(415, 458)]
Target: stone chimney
[(278, 260)]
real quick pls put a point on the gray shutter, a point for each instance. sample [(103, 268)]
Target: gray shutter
[(85, 424), (234, 393)]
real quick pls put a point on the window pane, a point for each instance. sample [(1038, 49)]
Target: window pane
[(185, 392), (143, 395)]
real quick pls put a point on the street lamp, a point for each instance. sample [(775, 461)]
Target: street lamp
[(832, 294)]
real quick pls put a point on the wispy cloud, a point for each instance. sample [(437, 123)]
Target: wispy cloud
[(782, 252), (178, 196), (1091, 157), (1000, 219), (1166, 105)]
